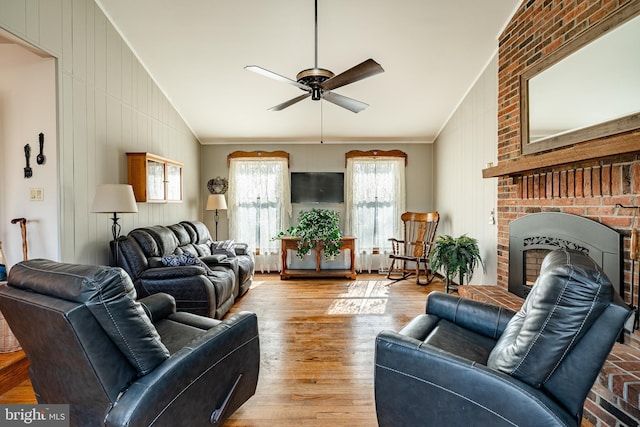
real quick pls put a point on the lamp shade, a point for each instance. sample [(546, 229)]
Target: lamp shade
[(216, 202), (114, 198)]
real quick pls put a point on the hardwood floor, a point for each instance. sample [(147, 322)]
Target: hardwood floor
[(317, 348), (13, 369)]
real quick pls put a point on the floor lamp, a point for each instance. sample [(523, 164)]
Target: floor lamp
[(216, 202), (114, 198)]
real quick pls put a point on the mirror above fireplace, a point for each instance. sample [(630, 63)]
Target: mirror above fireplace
[(587, 89)]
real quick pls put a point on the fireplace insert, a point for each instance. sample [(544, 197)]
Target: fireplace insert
[(532, 236)]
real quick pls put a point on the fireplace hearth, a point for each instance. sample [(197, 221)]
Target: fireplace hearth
[(532, 236)]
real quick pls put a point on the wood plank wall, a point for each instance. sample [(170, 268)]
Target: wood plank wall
[(107, 105)]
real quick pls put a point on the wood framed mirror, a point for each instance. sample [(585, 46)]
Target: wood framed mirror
[(587, 89)]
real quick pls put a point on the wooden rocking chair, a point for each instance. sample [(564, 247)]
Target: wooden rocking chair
[(413, 251)]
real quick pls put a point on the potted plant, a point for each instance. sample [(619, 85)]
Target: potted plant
[(317, 225), (457, 256)]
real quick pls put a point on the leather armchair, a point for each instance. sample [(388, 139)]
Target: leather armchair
[(468, 363), (121, 362)]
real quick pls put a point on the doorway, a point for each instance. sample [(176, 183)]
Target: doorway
[(28, 108)]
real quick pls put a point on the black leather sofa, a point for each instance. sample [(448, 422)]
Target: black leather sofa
[(466, 363), (207, 287), (119, 361)]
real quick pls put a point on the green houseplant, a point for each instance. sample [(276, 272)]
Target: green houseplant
[(456, 256), (317, 225)]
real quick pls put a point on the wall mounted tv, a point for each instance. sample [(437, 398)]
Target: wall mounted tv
[(317, 187)]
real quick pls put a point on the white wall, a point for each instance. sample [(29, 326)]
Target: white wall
[(462, 149), (326, 157), (107, 105), (28, 107)]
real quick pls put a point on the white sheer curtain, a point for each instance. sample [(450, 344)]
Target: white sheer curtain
[(375, 199), (259, 206)]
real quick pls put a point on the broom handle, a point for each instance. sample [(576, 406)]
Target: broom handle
[(23, 229)]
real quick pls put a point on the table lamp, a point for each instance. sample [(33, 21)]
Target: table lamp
[(114, 198), (216, 202)]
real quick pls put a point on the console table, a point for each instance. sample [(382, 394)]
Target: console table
[(290, 243)]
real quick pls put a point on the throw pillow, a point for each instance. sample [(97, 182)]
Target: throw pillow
[(226, 247), (184, 258), (178, 260)]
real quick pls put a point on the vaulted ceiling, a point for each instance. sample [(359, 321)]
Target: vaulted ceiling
[(432, 52)]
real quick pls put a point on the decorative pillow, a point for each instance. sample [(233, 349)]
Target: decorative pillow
[(178, 260), (184, 258), (226, 247)]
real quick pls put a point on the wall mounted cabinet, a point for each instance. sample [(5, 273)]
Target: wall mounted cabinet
[(154, 178)]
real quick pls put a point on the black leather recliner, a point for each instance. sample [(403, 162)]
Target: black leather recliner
[(119, 362), (466, 363)]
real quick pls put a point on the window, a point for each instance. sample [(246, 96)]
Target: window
[(259, 205), (375, 201)]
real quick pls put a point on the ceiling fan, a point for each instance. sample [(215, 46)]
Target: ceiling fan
[(319, 82)]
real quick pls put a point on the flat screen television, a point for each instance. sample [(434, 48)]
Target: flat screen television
[(317, 187)]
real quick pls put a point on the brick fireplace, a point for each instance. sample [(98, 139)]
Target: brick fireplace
[(590, 179)]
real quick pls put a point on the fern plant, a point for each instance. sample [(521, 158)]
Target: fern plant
[(456, 256), (317, 225)]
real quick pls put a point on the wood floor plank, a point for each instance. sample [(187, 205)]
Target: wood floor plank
[(14, 369)]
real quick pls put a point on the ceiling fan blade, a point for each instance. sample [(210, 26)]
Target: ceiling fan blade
[(275, 76), (361, 71), (289, 102), (345, 102)]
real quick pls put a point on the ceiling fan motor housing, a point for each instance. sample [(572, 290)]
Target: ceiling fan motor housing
[(314, 77)]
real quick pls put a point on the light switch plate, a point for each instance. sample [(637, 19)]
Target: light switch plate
[(36, 194)]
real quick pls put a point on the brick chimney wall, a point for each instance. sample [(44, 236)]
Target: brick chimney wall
[(589, 188)]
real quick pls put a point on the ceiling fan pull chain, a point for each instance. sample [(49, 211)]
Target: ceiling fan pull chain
[(321, 122)]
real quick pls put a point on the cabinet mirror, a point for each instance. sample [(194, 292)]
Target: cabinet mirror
[(587, 89)]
